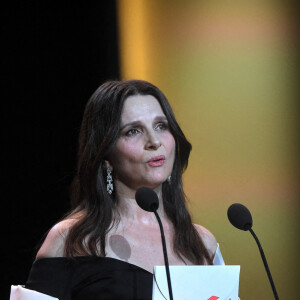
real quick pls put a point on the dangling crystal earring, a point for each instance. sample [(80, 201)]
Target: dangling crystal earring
[(109, 180), (169, 179)]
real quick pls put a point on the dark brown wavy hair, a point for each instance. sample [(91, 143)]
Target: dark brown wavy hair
[(99, 132)]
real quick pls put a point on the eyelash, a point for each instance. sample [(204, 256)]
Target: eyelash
[(130, 132), (133, 131), (163, 125)]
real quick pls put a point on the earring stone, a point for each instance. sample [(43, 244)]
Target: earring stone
[(169, 179), (109, 180)]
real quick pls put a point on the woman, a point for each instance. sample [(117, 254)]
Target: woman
[(107, 246)]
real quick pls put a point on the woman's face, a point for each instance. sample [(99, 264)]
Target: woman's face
[(145, 150)]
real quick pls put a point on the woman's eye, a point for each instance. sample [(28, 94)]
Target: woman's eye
[(162, 126), (132, 132)]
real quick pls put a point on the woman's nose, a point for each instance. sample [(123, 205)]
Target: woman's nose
[(153, 142)]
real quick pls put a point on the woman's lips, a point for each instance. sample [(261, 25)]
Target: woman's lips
[(156, 161)]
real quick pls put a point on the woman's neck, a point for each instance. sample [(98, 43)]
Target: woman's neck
[(129, 210)]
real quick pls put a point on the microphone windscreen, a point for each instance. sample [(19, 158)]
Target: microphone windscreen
[(147, 199), (240, 216)]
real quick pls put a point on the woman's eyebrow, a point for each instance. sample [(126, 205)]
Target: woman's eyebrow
[(161, 118), (134, 123)]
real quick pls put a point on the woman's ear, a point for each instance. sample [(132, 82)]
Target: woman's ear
[(108, 165)]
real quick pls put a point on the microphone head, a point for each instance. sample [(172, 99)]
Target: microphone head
[(240, 216), (147, 199)]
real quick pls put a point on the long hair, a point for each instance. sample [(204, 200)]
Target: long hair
[(89, 198)]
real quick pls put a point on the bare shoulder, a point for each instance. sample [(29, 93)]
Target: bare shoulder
[(208, 239), (54, 243)]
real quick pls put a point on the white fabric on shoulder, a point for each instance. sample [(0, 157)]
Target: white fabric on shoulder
[(18, 292), (218, 259)]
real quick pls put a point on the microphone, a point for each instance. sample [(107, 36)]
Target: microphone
[(147, 200), (240, 217)]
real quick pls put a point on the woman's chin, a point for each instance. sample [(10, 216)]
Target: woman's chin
[(153, 184)]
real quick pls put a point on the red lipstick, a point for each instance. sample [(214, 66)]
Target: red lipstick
[(156, 161)]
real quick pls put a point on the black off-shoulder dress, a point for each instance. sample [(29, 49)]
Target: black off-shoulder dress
[(90, 278)]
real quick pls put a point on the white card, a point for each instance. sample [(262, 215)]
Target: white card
[(18, 292), (197, 282)]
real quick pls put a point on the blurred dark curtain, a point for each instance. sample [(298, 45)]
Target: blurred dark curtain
[(55, 55)]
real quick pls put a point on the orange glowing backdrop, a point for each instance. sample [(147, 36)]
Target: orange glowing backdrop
[(228, 69)]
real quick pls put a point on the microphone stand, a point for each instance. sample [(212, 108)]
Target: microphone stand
[(265, 263), (165, 254)]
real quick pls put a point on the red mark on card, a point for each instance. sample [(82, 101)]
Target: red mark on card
[(213, 298)]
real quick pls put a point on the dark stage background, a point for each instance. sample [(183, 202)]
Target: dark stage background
[(56, 55)]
